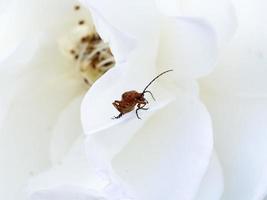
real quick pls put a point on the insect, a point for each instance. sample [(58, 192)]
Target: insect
[(132, 98)]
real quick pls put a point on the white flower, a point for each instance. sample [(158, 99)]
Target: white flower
[(192, 54), (168, 154)]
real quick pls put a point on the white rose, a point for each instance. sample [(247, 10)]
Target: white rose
[(167, 154)]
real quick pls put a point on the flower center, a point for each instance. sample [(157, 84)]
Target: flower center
[(91, 56)]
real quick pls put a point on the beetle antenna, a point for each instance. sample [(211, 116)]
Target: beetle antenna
[(155, 79)]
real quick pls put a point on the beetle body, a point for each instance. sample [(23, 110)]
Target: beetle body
[(131, 99), (128, 102)]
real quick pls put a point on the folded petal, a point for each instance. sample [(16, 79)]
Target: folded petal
[(187, 45), (169, 7), (125, 33), (32, 98), (66, 130), (236, 97), (120, 43), (23, 19), (211, 187), (66, 193), (240, 140), (133, 13), (71, 179), (168, 157), (6, 16), (241, 69), (220, 14)]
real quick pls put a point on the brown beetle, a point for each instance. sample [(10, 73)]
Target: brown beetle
[(132, 98)]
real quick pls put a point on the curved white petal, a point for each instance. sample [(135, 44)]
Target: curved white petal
[(71, 179), (25, 136), (10, 69), (169, 7), (22, 19), (220, 14), (67, 128), (74, 178), (125, 33), (211, 187), (24, 52), (6, 17), (67, 192), (168, 157), (241, 69), (188, 46), (236, 97), (120, 43), (135, 12), (34, 97), (240, 140)]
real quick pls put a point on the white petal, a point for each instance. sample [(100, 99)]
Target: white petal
[(127, 15), (22, 54), (169, 156), (241, 70), (120, 43), (125, 33), (71, 179), (34, 97), (66, 193), (188, 46), (10, 68), (66, 130), (23, 19), (25, 136), (236, 97), (30, 17), (8, 44), (220, 14), (169, 7), (211, 187), (240, 140), (74, 178)]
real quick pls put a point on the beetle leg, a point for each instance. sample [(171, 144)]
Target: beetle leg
[(116, 104), (143, 102), (139, 107), (143, 108), (137, 113), (150, 94), (117, 117)]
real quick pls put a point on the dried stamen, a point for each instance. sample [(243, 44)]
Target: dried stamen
[(93, 57), (77, 7), (81, 22)]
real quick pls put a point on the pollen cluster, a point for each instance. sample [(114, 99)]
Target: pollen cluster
[(90, 54)]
